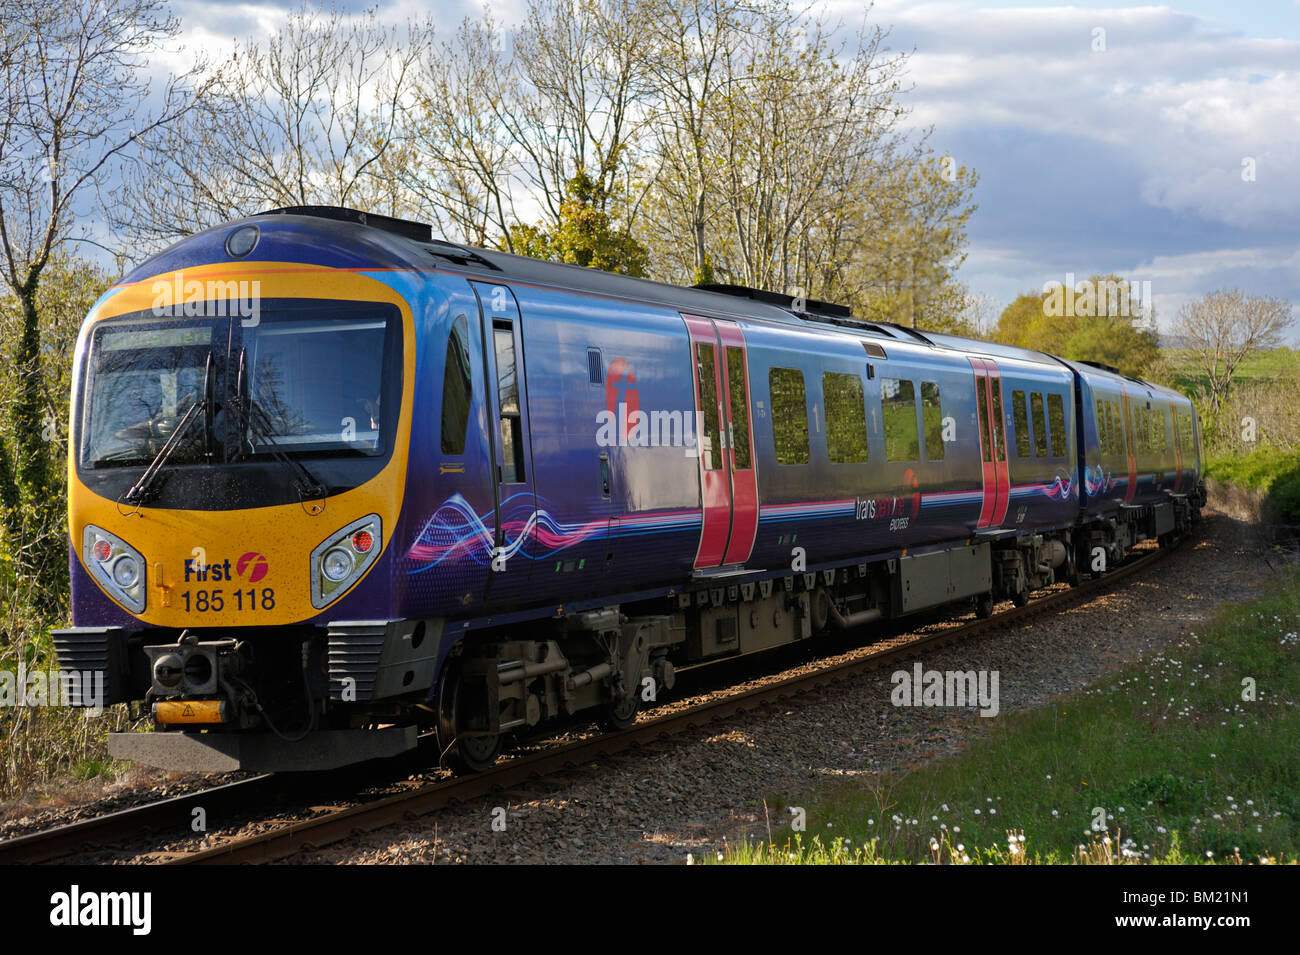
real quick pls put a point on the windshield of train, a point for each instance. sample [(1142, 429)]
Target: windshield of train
[(307, 379)]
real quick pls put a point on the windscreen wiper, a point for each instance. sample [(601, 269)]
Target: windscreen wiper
[(146, 488), (252, 418)]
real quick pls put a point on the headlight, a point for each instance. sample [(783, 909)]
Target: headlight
[(336, 565), (341, 559), (126, 571), (116, 565)]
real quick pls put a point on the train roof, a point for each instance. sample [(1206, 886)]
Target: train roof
[(715, 298), (387, 241)]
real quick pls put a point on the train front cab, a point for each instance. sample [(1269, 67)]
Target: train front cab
[(205, 578)]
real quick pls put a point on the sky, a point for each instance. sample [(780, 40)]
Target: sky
[(1160, 143)]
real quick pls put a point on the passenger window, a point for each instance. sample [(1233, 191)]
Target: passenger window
[(999, 427), (457, 390), (1020, 418), (1056, 417), (846, 418), (789, 415), (982, 404), (1185, 434), (512, 433), (1040, 425), (932, 420), (706, 359), (739, 408), (1103, 433), (898, 413)]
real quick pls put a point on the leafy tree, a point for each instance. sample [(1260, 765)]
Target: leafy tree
[(75, 100), (585, 236), (1097, 320), (35, 561), (913, 243)]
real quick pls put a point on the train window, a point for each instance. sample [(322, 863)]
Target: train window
[(932, 421), (1102, 437), (846, 418), (1056, 418), (1020, 419), (898, 412), (1159, 440), (999, 428), (1121, 428), (1185, 435), (457, 390), (738, 387), (512, 431), (982, 403), (706, 361), (1040, 425), (789, 415)]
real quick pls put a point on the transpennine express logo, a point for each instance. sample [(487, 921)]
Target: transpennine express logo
[(253, 566)]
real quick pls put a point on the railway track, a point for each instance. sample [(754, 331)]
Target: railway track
[(332, 826), (166, 815)]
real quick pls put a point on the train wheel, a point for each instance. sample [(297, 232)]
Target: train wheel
[(474, 754), (984, 606), (622, 714), (1020, 597)]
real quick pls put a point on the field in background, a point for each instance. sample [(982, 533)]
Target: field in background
[(1280, 363)]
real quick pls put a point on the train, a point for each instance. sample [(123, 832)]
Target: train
[(336, 486)]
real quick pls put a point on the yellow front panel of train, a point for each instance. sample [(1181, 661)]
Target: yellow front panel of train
[(248, 567)]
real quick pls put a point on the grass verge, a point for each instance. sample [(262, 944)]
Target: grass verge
[(1188, 755)]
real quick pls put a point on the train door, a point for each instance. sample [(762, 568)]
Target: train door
[(1130, 446), (514, 504), (993, 445), (728, 479)]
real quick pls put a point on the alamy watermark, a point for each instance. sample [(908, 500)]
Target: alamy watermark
[(213, 298), (652, 429), (1107, 297), (76, 688), (959, 688)]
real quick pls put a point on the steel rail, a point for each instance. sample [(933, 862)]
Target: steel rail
[(174, 813)]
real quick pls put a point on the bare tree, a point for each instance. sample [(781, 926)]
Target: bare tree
[(693, 42), (305, 117), (1224, 327), (501, 115), (803, 127), (76, 102), (456, 158)]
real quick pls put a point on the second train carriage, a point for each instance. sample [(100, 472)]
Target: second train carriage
[(427, 486)]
